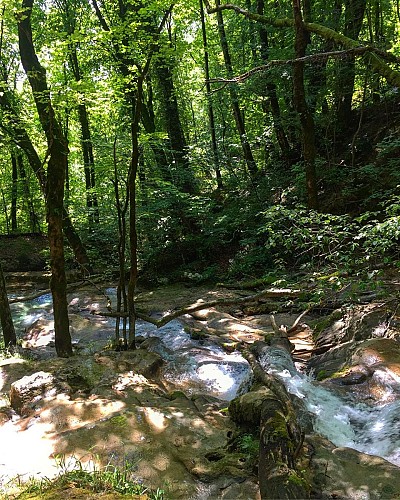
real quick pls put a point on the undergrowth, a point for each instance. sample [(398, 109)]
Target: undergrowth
[(118, 481)]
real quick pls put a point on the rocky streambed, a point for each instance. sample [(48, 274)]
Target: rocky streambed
[(184, 408)]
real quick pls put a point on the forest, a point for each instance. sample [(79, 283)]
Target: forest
[(250, 147), (200, 142)]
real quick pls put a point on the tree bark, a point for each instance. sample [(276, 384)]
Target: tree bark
[(237, 113), (300, 103), (56, 169), (7, 325)]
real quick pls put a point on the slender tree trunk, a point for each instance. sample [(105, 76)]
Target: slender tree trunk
[(136, 102), (87, 148), (237, 113), (210, 109), (5, 211), (14, 192), (271, 91), (306, 118), (57, 154), (33, 219), (354, 15), (7, 325), (121, 289), (179, 148)]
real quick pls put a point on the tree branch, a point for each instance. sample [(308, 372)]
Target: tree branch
[(281, 62), (271, 292), (372, 56)]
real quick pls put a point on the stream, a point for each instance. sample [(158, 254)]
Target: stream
[(374, 430), (201, 367)]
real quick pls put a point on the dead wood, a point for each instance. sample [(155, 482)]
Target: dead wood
[(270, 292)]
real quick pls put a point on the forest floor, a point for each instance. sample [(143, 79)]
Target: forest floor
[(117, 405)]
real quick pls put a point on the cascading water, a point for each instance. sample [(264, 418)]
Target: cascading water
[(195, 366), (198, 366), (370, 429)]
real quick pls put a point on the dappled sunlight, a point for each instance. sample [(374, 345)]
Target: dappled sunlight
[(155, 419), (65, 414)]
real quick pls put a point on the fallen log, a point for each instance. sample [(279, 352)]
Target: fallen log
[(270, 292), (281, 437)]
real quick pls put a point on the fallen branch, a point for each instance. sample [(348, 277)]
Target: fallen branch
[(270, 292), (35, 295)]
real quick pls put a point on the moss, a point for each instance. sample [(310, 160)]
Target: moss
[(119, 421), (278, 426), (268, 337), (297, 479), (326, 322), (177, 395), (324, 374), (321, 375)]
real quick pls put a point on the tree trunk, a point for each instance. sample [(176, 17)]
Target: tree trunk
[(211, 117), (271, 91), (179, 149), (87, 148), (354, 15), (57, 154), (300, 103), (237, 113), (7, 325), (14, 192), (33, 219)]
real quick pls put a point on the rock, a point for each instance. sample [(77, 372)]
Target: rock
[(32, 390), (344, 473), (351, 378)]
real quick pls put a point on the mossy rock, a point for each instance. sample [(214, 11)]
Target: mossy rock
[(326, 322)]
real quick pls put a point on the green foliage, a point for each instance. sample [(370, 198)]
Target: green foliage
[(248, 444), (119, 481)]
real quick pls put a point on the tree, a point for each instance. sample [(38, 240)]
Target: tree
[(56, 170), (237, 112), (7, 325)]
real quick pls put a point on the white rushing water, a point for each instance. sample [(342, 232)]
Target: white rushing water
[(198, 366), (370, 429)]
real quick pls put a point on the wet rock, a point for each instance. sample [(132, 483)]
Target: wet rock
[(356, 323), (351, 378), (31, 391), (139, 361), (344, 473)]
